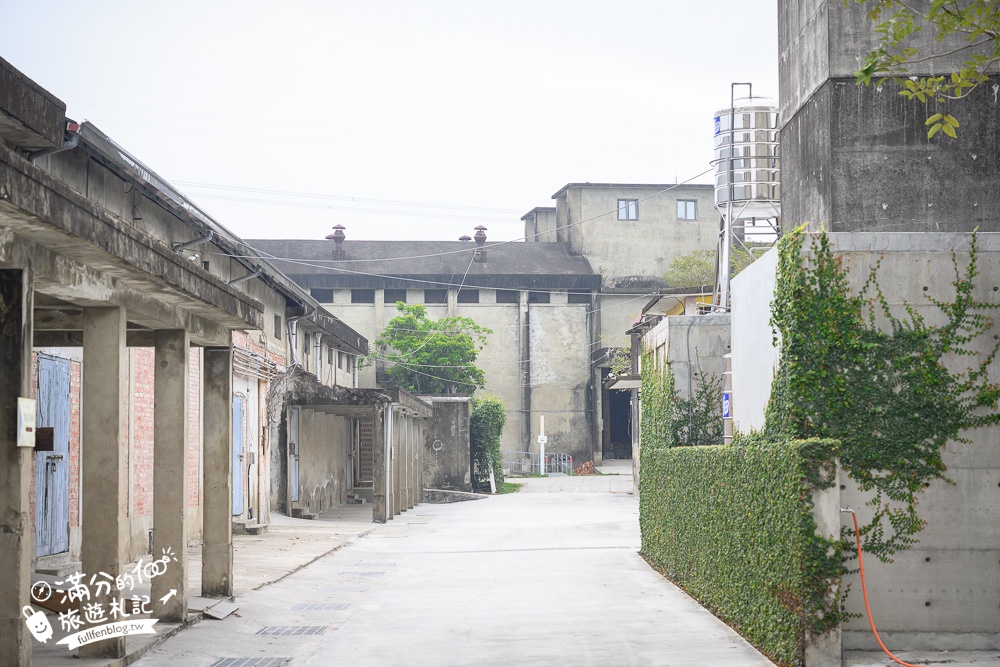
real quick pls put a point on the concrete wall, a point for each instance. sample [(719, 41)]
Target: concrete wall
[(324, 469), (944, 592), (621, 248), (447, 460), (557, 367), (858, 159), (540, 225), (754, 357)]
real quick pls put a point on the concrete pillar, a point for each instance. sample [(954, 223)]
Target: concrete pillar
[(17, 540), (398, 424), (170, 488), (380, 486), (104, 458), (217, 475)]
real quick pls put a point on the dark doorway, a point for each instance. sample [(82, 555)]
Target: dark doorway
[(618, 424)]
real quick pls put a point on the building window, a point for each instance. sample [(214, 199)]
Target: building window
[(306, 340), (628, 209), (277, 327), (322, 294), (578, 297), (508, 296), (435, 296), (341, 359), (687, 209), (329, 356), (393, 295), (362, 296), (468, 296), (538, 297)]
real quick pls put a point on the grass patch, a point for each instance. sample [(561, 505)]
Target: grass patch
[(509, 487)]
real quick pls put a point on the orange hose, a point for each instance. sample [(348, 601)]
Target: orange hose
[(864, 589)]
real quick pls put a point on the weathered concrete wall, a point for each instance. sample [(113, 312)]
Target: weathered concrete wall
[(858, 159), (447, 457), (558, 358), (943, 592), (540, 225), (645, 246), (754, 357), (324, 469), (560, 373)]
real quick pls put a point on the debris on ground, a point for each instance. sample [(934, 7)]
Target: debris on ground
[(586, 469)]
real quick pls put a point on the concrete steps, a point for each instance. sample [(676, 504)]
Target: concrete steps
[(248, 527)]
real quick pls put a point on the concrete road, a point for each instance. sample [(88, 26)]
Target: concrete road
[(533, 578)]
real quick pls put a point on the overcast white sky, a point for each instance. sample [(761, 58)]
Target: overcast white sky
[(399, 120)]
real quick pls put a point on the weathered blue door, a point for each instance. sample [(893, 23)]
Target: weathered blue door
[(239, 402), (52, 468)]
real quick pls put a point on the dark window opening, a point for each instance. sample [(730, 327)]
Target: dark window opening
[(322, 294), (538, 297), (578, 297), (362, 296), (305, 344), (508, 296), (468, 296), (435, 296), (329, 356), (277, 327), (393, 295)]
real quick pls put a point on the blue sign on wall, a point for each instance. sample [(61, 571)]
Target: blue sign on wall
[(718, 125), (726, 403)]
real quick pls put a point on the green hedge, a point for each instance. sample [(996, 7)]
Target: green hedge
[(733, 526), (485, 428)]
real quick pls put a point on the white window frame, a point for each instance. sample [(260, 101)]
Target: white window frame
[(688, 205), (628, 209)]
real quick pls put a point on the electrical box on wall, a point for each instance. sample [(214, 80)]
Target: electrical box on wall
[(25, 422)]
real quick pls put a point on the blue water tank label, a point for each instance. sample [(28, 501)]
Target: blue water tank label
[(718, 125)]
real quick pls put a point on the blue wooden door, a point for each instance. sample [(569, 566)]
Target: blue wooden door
[(239, 404), (52, 468)]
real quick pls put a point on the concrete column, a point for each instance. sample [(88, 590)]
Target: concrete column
[(170, 488), (217, 475), (17, 540), (380, 486), (398, 425), (524, 355), (104, 457)]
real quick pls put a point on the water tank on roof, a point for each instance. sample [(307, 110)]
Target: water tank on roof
[(748, 133)]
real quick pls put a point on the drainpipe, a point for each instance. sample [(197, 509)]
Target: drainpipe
[(290, 326), (73, 138)]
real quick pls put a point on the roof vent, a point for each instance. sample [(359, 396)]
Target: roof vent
[(480, 253), (464, 237), (338, 237)]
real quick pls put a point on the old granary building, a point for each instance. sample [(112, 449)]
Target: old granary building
[(163, 383), (558, 304)]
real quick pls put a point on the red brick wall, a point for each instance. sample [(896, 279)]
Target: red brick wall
[(194, 427), (140, 388)]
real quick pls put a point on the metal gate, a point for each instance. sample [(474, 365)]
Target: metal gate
[(239, 404), (52, 467)]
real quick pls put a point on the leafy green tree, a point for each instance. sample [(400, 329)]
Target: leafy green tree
[(697, 269), (959, 26), (432, 357)]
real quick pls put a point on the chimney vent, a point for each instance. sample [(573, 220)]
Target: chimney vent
[(480, 235), (464, 237), (338, 237)]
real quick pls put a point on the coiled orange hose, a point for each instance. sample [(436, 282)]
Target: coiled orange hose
[(864, 590)]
